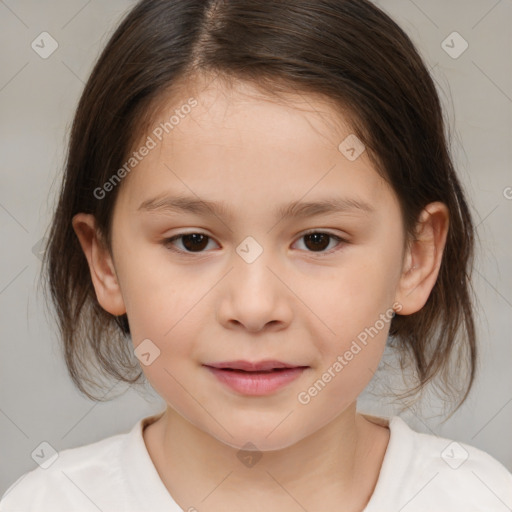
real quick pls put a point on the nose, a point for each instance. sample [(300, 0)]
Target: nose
[(254, 296)]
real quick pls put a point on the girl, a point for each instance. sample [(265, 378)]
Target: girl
[(257, 197)]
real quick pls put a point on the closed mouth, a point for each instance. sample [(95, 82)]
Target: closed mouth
[(259, 371)]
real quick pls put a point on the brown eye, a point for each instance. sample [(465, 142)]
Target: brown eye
[(315, 241), (318, 242), (192, 242)]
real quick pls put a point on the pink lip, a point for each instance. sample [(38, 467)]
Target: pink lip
[(255, 379), (267, 364)]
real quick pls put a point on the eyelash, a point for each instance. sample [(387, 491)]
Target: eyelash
[(168, 242)]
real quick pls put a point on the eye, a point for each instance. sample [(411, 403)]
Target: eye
[(315, 241), (193, 242)]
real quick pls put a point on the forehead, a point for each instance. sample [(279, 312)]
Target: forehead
[(239, 108), (211, 134)]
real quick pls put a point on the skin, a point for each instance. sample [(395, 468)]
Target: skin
[(294, 303)]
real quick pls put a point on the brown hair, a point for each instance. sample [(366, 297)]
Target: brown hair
[(348, 52)]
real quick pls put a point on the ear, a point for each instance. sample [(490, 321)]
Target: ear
[(423, 257), (101, 265)]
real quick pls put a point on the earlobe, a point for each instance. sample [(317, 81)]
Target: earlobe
[(100, 262), (423, 258)]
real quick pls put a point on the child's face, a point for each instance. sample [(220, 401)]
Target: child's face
[(296, 302)]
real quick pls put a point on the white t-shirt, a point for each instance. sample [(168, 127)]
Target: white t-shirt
[(420, 473)]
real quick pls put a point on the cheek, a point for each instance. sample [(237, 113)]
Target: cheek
[(172, 335), (355, 308), (155, 292), (164, 305), (351, 300), (348, 365), (356, 352)]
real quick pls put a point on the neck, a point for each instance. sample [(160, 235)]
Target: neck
[(341, 461)]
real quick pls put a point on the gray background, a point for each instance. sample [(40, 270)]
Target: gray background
[(37, 96)]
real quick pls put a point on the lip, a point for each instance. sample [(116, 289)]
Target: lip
[(255, 379), (267, 364)]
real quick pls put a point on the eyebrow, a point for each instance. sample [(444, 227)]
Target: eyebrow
[(298, 209)]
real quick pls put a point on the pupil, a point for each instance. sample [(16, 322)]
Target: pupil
[(194, 241), (315, 237)]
